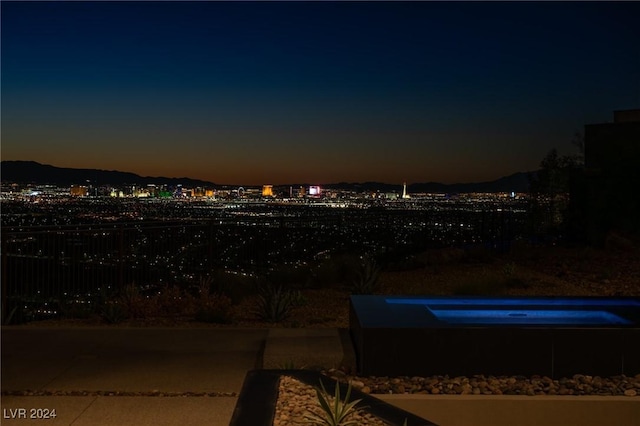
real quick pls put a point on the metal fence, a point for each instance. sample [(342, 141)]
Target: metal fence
[(80, 263)]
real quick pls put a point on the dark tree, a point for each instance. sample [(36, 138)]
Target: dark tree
[(552, 188), (554, 176)]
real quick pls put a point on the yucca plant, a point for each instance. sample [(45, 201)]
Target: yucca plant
[(333, 413)]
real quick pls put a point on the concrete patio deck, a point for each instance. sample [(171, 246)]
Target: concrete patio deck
[(149, 362)]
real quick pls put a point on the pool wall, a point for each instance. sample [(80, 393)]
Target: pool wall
[(400, 339)]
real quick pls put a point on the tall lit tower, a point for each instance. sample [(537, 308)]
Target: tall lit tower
[(404, 191)]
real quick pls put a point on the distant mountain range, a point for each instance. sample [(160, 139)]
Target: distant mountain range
[(517, 182), (33, 172)]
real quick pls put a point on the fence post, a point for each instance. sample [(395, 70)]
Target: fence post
[(4, 272), (121, 257), (210, 247)]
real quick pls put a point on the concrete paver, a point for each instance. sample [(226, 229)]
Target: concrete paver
[(131, 360), (507, 410), (122, 411), (217, 360), (303, 348), (67, 410), (169, 360)]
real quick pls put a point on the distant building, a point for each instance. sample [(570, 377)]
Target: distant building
[(79, 190), (404, 191), (267, 190), (626, 116), (608, 194), (391, 196)]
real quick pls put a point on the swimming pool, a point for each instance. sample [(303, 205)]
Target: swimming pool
[(524, 311), (554, 336)]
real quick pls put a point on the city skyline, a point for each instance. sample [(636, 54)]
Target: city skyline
[(273, 93)]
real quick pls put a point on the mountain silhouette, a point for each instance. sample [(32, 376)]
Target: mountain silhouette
[(517, 182), (33, 172)]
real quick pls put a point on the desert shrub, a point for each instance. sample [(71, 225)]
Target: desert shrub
[(333, 271), (274, 302), (14, 312), (212, 307), (216, 310), (297, 298), (8, 315), (76, 309), (113, 313), (79, 307), (509, 269), (366, 278), (235, 286), (290, 276), (174, 301), (511, 276), (135, 304)]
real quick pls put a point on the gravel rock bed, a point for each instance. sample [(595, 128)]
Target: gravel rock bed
[(297, 399), (579, 384)]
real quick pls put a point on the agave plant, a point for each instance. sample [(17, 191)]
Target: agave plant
[(333, 413), (274, 302), (8, 317), (290, 365), (113, 313), (13, 311)]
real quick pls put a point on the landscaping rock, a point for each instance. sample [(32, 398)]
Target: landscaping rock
[(479, 385)]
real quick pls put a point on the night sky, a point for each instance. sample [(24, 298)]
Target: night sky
[(275, 93)]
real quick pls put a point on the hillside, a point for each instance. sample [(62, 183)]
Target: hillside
[(33, 172)]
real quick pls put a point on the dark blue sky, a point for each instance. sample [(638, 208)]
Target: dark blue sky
[(256, 93)]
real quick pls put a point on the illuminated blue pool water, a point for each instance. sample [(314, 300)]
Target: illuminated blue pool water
[(455, 335), (524, 311), (519, 316)]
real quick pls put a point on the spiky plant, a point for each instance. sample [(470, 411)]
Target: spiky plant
[(131, 300), (274, 302), (333, 413), (290, 365), (8, 317), (113, 313)]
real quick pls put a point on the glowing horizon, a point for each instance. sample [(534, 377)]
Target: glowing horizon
[(311, 92)]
